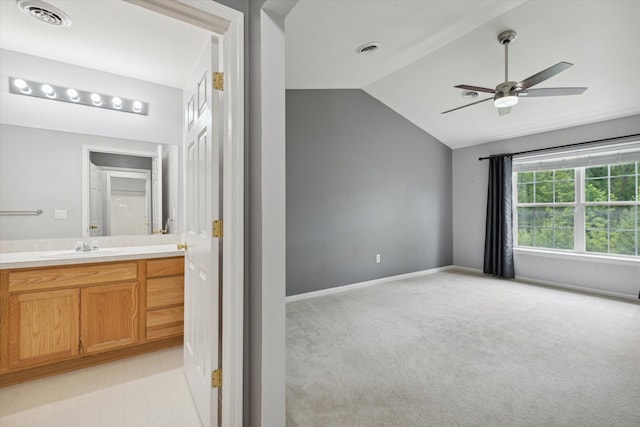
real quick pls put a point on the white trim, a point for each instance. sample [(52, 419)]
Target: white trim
[(583, 289), (344, 288), (573, 256), (229, 23)]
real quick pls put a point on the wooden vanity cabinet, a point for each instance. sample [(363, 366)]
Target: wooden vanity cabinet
[(43, 327), (165, 298), (54, 319), (108, 317)]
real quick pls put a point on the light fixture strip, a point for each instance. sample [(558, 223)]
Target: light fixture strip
[(76, 96)]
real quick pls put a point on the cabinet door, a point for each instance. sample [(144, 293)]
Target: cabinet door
[(108, 317), (43, 327)]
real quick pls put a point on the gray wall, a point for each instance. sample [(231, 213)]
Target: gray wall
[(470, 178), (361, 181)]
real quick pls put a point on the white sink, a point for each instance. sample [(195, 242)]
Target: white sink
[(81, 254)]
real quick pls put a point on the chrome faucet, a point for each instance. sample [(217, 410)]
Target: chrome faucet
[(86, 246)]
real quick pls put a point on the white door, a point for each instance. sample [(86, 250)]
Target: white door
[(95, 201), (156, 191), (202, 267)]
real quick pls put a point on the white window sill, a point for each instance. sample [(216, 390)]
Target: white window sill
[(605, 259)]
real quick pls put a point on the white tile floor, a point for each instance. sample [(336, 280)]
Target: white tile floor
[(145, 390)]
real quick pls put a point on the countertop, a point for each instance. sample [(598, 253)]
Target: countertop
[(43, 258)]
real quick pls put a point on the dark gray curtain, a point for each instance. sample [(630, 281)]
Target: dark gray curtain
[(498, 239)]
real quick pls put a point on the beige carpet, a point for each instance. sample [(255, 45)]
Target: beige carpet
[(459, 349)]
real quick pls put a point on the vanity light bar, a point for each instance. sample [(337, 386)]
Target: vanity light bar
[(76, 96)]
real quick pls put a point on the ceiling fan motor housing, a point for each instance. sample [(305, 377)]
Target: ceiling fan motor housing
[(506, 89)]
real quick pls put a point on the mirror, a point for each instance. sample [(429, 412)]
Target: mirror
[(47, 146), (61, 176)]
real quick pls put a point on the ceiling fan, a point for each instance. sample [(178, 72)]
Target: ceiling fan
[(506, 94)]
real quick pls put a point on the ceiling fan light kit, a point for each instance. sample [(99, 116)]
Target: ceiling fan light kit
[(506, 94)]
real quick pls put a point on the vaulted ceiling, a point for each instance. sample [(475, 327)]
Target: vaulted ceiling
[(427, 47)]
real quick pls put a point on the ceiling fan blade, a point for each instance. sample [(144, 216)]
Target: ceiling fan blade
[(504, 111), (543, 75), (465, 106), (552, 91), (476, 88)]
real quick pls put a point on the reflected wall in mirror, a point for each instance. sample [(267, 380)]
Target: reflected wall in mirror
[(50, 170), (44, 152)]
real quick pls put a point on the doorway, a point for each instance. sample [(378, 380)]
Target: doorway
[(227, 24)]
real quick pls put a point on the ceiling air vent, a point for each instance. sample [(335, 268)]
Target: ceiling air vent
[(469, 94), (44, 12), (368, 48)]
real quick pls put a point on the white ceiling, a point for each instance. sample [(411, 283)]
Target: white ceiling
[(108, 35), (429, 46)]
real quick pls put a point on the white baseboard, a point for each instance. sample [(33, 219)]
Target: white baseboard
[(345, 288), (525, 280), (577, 288), (551, 284)]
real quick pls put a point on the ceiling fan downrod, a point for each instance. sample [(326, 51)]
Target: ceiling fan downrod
[(505, 38)]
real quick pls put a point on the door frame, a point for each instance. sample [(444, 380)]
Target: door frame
[(86, 174), (228, 23)]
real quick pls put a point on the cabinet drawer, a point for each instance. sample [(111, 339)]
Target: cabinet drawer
[(165, 291), (165, 267), (60, 277), (165, 322)]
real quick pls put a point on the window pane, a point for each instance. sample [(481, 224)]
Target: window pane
[(525, 193), (564, 238), (543, 237), (597, 171), (597, 190), (544, 176), (625, 169), (596, 217), (623, 218), (623, 242), (525, 236), (597, 241), (543, 217), (525, 217), (565, 174), (564, 217), (544, 192), (525, 177), (623, 188), (565, 191)]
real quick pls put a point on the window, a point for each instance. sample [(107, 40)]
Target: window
[(585, 203)]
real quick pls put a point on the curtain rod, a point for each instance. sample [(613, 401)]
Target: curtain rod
[(561, 146)]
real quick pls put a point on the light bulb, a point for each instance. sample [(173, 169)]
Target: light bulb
[(22, 85), (73, 95), (48, 90), (505, 101), (96, 99), (137, 106), (116, 102)]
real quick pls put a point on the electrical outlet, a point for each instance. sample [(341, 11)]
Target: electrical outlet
[(377, 258)]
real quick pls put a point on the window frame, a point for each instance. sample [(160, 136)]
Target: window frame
[(579, 213)]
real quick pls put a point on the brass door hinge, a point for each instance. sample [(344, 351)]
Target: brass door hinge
[(218, 80), (216, 378), (218, 228)]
